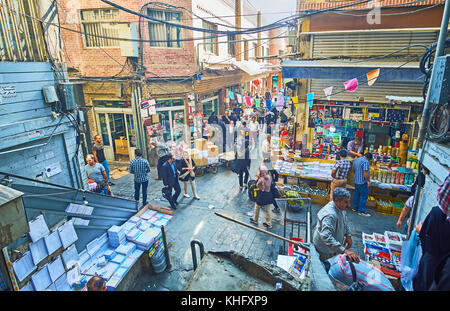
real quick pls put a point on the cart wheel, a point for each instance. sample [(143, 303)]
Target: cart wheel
[(200, 172), (214, 169)]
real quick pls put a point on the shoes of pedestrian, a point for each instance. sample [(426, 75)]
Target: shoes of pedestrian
[(158, 178), (267, 225), (187, 195), (364, 214), (276, 210), (253, 221), (111, 183), (197, 197), (354, 210), (240, 187)]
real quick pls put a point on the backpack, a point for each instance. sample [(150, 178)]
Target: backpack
[(253, 191), (293, 204)]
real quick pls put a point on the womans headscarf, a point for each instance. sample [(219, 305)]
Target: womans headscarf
[(264, 181), (443, 196)]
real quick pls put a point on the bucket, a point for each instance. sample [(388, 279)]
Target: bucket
[(158, 259)]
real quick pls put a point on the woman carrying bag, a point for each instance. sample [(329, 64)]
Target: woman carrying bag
[(264, 198), (187, 170)]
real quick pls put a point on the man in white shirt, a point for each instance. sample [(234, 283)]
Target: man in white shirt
[(266, 148), (254, 131)]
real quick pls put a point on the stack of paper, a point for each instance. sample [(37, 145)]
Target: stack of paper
[(56, 268), (128, 226), (119, 258), (84, 257), (126, 248), (79, 209), (144, 226), (38, 228), (148, 213), (67, 234), (108, 254), (70, 257), (101, 261), (133, 234), (109, 270), (136, 253), (120, 273), (24, 266), (113, 282), (52, 242), (61, 284), (116, 235), (38, 250), (135, 220), (41, 279), (129, 262), (146, 239)]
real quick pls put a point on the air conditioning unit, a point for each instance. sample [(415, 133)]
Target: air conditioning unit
[(50, 95), (73, 96), (128, 48)]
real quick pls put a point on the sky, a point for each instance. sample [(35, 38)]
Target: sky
[(268, 9)]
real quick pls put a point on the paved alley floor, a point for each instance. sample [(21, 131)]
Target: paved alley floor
[(195, 219)]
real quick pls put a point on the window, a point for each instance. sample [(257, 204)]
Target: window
[(100, 22), (255, 50), (231, 45), (210, 39), (163, 35), (21, 37), (246, 50)]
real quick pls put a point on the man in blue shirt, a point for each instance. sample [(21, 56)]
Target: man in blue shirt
[(238, 111), (170, 180), (140, 168), (361, 167)]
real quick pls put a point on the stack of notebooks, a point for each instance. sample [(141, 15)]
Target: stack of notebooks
[(125, 248), (116, 235), (146, 239), (148, 214), (135, 220)]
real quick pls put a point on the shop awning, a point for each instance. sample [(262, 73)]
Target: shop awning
[(405, 99), (328, 69)]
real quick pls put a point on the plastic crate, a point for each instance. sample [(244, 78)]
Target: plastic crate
[(397, 207), (384, 209)]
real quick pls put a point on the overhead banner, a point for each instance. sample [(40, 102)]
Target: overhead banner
[(372, 76), (351, 85), (328, 91)]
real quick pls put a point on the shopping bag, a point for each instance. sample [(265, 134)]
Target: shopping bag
[(368, 277), (409, 263)]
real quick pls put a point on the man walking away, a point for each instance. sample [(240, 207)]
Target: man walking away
[(170, 181), (96, 172), (264, 198), (362, 183), (99, 155), (162, 150), (140, 168), (332, 234), (339, 172)]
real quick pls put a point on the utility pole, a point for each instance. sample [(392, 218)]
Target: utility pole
[(238, 25)]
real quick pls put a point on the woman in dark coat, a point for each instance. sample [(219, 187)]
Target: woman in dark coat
[(187, 169), (434, 236)]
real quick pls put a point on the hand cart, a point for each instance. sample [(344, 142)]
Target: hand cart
[(296, 218)]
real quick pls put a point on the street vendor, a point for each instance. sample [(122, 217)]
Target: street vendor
[(355, 147), (332, 234)]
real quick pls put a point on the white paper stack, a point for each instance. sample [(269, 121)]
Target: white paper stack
[(148, 213), (67, 234), (108, 254), (109, 270), (146, 239), (133, 234), (116, 235), (144, 226), (129, 262), (119, 258), (113, 282), (135, 220), (70, 257), (128, 226), (125, 248)]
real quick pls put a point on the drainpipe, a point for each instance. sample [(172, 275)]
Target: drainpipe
[(426, 110)]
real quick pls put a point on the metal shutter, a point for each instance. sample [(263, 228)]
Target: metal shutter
[(372, 94), (367, 44)]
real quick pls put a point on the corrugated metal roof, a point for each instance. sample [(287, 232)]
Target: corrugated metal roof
[(8, 194)]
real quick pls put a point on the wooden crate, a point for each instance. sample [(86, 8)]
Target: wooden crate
[(385, 210)]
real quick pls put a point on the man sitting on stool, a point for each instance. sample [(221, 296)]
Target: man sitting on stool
[(332, 234), (169, 174)]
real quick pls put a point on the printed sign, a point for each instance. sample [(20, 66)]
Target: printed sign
[(8, 91), (53, 169)]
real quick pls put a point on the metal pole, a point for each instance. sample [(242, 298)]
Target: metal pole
[(166, 250), (439, 52), (300, 244)]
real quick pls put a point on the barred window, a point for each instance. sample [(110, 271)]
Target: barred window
[(21, 37), (100, 23), (210, 39)]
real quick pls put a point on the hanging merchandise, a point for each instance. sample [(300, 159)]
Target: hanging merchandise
[(295, 100), (239, 98), (231, 95), (328, 91), (351, 85), (310, 99), (248, 100), (257, 102), (372, 76), (268, 104)]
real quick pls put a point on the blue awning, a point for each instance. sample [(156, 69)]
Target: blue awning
[(324, 69)]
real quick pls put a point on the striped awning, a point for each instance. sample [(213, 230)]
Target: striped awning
[(309, 5)]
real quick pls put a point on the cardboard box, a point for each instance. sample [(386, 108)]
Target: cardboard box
[(213, 151), (201, 161), (200, 144)]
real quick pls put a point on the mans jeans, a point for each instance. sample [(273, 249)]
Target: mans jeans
[(241, 176), (137, 186), (360, 197), (106, 166)]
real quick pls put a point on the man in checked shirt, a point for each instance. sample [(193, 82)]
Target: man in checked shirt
[(340, 172), (140, 168)]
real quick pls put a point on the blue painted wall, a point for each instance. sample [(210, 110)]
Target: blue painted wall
[(26, 121)]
